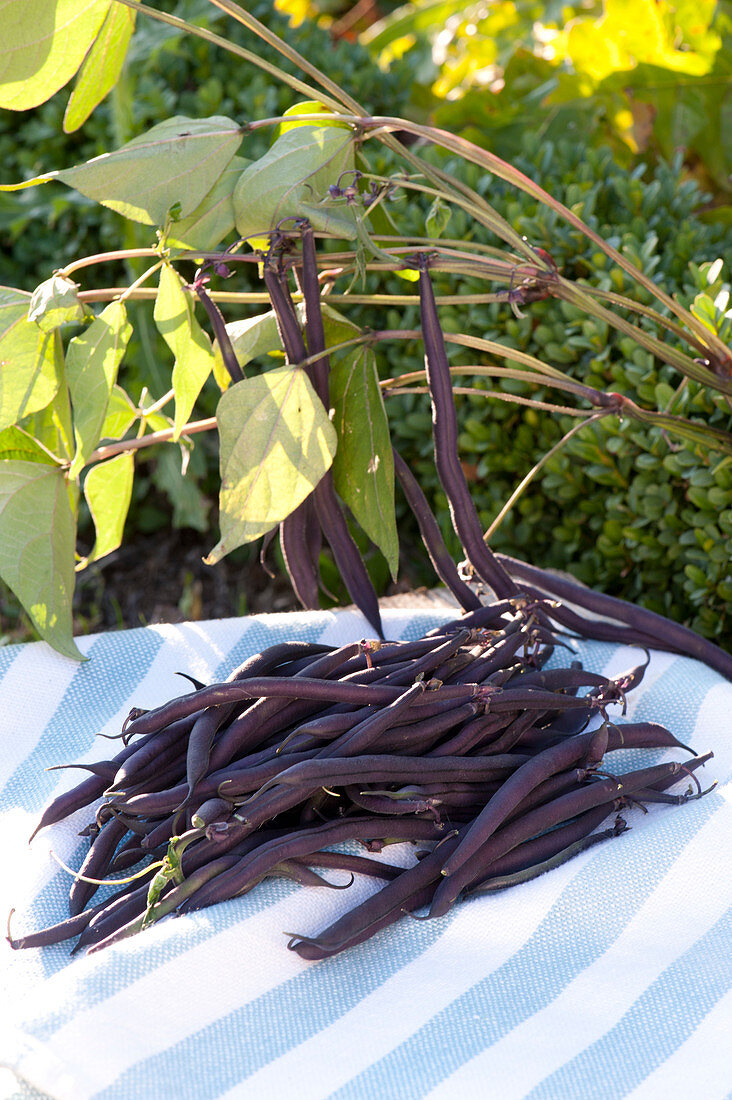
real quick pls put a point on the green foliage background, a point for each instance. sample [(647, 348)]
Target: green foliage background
[(620, 507)]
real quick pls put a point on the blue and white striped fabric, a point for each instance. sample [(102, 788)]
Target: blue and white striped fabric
[(609, 977)]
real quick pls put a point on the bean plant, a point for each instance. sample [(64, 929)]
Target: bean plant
[(304, 439)]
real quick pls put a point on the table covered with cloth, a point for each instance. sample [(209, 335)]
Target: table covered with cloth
[(608, 977)]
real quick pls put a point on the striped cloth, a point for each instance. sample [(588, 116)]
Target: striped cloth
[(608, 977)]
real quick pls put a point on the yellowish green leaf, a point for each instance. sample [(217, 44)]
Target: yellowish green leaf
[(213, 218), (37, 535), (29, 376), (276, 443), (101, 66), (92, 361), (190, 345), (43, 42), (108, 491)]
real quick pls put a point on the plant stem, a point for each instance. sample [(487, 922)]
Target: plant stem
[(106, 257), (110, 449), (510, 398)]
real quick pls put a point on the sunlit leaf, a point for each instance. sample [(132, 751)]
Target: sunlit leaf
[(121, 415), (92, 361), (363, 467), (56, 302), (37, 533), (108, 491), (213, 218), (29, 375), (249, 338), (184, 336), (16, 443), (292, 179), (276, 443), (305, 107), (178, 161), (101, 67), (43, 42)]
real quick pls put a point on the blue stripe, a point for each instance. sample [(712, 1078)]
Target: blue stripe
[(91, 698), (677, 697), (52, 905), (579, 928), (589, 916), (653, 1029), (236, 1045), (8, 654)]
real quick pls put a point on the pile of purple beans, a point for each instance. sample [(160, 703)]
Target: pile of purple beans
[(462, 744)]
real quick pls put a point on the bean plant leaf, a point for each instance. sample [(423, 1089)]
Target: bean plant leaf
[(176, 163), (121, 414), (92, 361), (43, 44), (108, 491), (190, 345), (37, 534), (29, 360), (276, 443), (437, 218), (292, 179), (363, 467), (101, 67), (18, 444), (291, 117), (56, 302), (52, 426), (213, 218), (250, 338)]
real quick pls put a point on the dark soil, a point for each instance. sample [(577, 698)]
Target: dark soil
[(161, 578)]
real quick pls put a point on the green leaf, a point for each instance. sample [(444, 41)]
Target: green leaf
[(305, 107), (190, 345), (56, 302), (213, 218), (43, 43), (15, 443), (29, 375), (292, 180), (92, 361), (101, 67), (250, 338), (172, 477), (51, 427), (121, 415), (437, 219), (276, 443), (37, 532), (178, 161), (108, 491), (363, 467)]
